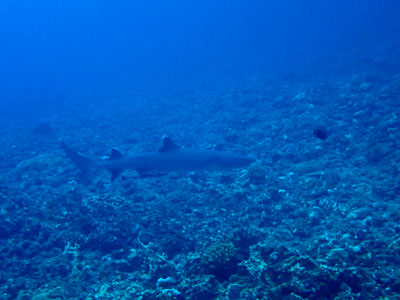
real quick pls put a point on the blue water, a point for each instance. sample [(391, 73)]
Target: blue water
[(309, 88), (56, 51)]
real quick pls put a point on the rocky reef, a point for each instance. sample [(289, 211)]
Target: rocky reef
[(313, 218)]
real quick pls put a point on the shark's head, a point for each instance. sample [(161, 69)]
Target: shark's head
[(227, 160)]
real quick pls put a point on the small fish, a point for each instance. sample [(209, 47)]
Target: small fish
[(321, 132)]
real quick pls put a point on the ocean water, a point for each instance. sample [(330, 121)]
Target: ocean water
[(309, 89)]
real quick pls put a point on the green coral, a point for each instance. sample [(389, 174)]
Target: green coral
[(220, 259), (219, 252)]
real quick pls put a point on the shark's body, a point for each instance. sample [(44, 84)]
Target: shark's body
[(169, 158)]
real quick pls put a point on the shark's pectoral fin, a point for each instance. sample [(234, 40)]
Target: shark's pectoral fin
[(115, 155), (115, 173)]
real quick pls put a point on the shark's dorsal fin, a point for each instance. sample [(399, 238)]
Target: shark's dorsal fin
[(115, 154), (168, 145)]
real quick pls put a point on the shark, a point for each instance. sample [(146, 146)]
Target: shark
[(169, 158)]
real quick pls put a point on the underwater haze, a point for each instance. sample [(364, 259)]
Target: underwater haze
[(58, 51), (199, 150)]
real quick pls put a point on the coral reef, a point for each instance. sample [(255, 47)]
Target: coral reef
[(311, 219)]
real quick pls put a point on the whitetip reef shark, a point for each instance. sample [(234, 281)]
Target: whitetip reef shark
[(169, 158)]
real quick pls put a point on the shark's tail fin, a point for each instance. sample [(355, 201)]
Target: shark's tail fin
[(85, 164)]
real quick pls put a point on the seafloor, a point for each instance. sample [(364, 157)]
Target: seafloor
[(311, 219)]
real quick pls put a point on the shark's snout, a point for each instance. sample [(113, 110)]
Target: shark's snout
[(247, 160), (250, 160)]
